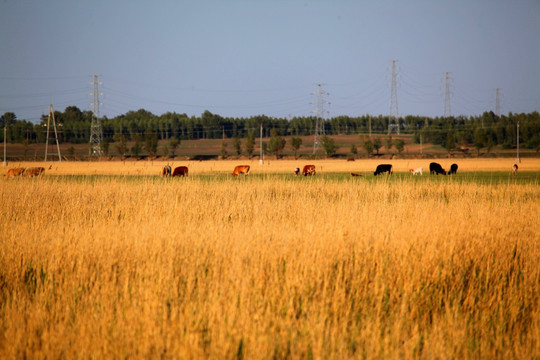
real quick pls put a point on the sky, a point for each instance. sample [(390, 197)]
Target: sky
[(242, 58)]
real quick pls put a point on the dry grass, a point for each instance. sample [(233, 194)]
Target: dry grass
[(113, 267)]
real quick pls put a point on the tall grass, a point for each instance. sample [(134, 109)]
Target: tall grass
[(268, 268)]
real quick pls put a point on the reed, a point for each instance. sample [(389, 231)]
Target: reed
[(266, 267)]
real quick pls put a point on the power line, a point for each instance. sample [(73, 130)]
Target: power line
[(96, 130), (319, 115)]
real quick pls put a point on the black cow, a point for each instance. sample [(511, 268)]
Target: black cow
[(453, 169), (435, 168), (382, 169)]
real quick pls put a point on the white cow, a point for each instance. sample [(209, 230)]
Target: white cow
[(416, 171)]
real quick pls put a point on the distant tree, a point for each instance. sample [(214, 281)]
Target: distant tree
[(223, 151), (173, 144), (377, 144), (489, 145), (329, 145), (26, 144), (237, 145), (389, 143), (368, 146), (249, 144), (354, 150), (277, 143), (71, 151), (137, 146), (296, 142), (479, 140), (400, 145), (150, 142), (120, 143), (105, 146), (450, 142), (165, 150), (265, 147)]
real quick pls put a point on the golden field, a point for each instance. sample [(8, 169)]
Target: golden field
[(268, 267)]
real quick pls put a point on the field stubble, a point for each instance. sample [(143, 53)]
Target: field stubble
[(267, 268)]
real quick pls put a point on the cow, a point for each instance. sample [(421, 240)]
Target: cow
[(453, 169), (308, 170), (180, 171), (14, 172), (33, 171), (166, 172), (514, 169), (382, 168), (416, 171), (435, 168), (355, 174), (241, 169), (350, 159), (296, 171)]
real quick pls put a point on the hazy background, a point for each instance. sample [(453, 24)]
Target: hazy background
[(240, 58)]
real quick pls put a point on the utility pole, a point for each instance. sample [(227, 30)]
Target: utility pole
[(319, 115), (51, 114), (498, 102), (393, 116), (447, 95), (96, 131), (369, 126), (261, 160), (518, 160)]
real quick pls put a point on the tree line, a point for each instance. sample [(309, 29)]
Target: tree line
[(486, 130)]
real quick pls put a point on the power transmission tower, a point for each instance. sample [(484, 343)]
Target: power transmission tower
[(498, 101), (319, 115), (447, 95), (96, 130), (393, 116), (51, 114)]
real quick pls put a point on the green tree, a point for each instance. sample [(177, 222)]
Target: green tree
[(137, 146), (237, 145), (389, 143), (71, 151), (450, 142), (368, 146), (120, 143), (354, 150), (296, 142), (223, 151), (479, 140), (249, 144), (105, 146), (277, 143), (400, 145), (329, 145), (165, 150), (173, 144), (150, 142), (377, 145)]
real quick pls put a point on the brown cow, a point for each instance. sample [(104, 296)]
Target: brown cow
[(166, 172), (308, 170), (180, 171), (241, 169), (514, 169), (14, 172), (33, 171), (355, 174)]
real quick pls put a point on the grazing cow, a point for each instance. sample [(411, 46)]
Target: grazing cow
[(296, 171), (308, 170), (453, 169), (382, 169), (350, 159), (241, 169), (166, 172), (355, 174), (514, 169), (14, 172), (180, 171), (435, 168), (33, 171), (416, 171)]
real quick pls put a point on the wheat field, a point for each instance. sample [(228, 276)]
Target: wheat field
[(109, 260)]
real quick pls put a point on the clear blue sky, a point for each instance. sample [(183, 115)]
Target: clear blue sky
[(240, 58)]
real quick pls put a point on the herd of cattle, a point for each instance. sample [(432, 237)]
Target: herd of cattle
[(29, 172), (308, 170)]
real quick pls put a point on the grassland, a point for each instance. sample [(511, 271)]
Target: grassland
[(108, 260)]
